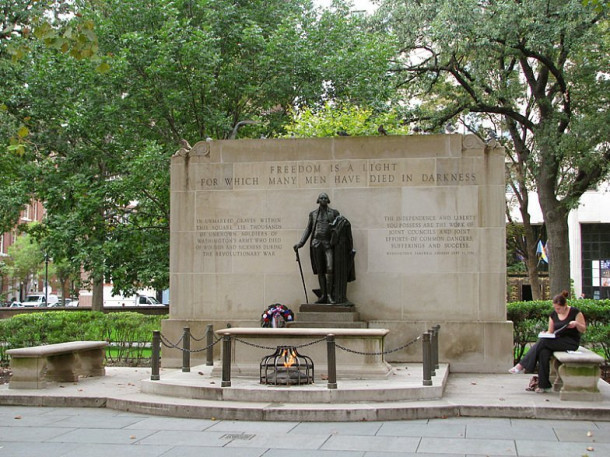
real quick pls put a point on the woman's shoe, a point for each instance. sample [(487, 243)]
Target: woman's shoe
[(515, 370), (542, 390)]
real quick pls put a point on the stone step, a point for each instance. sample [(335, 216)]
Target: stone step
[(313, 308), (404, 383), (311, 324), (328, 317)]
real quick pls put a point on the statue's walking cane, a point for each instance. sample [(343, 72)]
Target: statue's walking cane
[(302, 277)]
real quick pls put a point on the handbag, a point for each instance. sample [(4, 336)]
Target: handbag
[(533, 384)]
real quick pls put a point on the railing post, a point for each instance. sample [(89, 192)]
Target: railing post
[(427, 362), (155, 356), (226, 361), (432, 341), (435, 347), (331, 359), (186, 350), (209, 331)]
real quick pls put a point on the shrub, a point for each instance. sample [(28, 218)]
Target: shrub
[(130, 332)]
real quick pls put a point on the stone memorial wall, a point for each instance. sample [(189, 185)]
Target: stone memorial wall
[(427, 218)]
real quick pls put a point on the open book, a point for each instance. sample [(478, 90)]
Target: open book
[(551, 335)]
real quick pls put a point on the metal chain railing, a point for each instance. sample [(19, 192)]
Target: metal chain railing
[(389, 351), (429, 350), (247, 343), (202, 338), (160, 339), (169, 344)]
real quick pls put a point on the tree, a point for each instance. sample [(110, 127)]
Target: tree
[(345, 120), (56, 23), (538, 66), (24, 25), (525, 238), (67, 275), (25, 259), (100, 142)]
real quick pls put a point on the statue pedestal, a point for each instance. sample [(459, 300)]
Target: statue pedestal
[(321, 316)]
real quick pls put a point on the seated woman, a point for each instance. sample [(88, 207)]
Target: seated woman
[(566, 323)]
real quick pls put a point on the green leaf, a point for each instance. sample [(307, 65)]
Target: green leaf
[(103, 67), (23, 131)]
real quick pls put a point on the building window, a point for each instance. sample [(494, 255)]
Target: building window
[(596, 260), (26, 213)]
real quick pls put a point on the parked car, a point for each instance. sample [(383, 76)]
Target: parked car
[(60, 303), (135, 300), (38, 300), (15, 304)]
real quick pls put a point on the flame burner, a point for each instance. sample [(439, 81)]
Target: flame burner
[(286, 367)]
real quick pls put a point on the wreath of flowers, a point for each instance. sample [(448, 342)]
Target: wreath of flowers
[(274, 311)]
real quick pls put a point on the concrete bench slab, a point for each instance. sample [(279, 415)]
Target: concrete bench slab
[(32, 367), (575, 375), (362, 360)]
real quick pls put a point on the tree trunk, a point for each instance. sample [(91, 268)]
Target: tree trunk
[(558, 243), (531, 258), (64, 291), (558, 250), (555, 213), (97, 299), (531, 263)]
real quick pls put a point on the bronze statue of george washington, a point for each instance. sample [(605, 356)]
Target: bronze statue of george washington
[(331, 251)]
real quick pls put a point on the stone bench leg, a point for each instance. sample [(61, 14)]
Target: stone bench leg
[(579, 382), (28, 373), (91, 363), (62, 368), (554, 377)]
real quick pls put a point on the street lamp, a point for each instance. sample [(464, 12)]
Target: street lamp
[(46, 279)]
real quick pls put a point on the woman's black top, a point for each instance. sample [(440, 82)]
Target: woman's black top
[(566, 332)]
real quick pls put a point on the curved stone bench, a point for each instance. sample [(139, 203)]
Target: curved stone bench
[(575, 375), (61, 362), (363, 361)]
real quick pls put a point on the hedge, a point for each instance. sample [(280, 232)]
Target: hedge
[(128, 333)]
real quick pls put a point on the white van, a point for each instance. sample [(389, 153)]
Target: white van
[(38, 300)]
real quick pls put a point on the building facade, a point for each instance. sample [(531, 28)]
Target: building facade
[(589, 231), (9, 288)]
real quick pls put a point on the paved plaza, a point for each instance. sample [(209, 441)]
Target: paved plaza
[(486, 415), (100, 432)]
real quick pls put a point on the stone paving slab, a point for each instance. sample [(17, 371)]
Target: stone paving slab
[(465, 395), (25, 432)]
